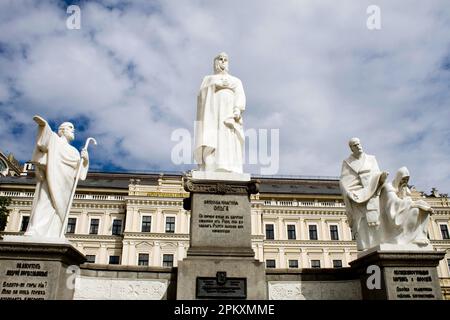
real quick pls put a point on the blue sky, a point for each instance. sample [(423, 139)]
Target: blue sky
[(312, 69)]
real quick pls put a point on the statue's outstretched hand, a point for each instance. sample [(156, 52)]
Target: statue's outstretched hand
[(422, 205), (40, 121), (383, 177)]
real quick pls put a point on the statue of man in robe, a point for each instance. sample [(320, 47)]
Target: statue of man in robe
[(219, 138), (360, 182), (56, 163), (405, 221)]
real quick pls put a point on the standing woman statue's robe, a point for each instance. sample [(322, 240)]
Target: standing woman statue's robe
[(219, 131), (56, 163)]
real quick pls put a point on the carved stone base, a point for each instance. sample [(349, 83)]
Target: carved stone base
[(38, 271), (220, 261), (399, 275)]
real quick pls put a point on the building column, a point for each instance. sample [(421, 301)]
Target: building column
[(282, 258), (303, 231), (132, 254), (135, 225), (436, 233), (254, 222), (13, 221), (159, 223), (128, 219), (345, 231), (260, 222), (106, 224), (347, 256), (83, 226), (326, 259), (188, 222), (180, 251), (125, 253), (157, 254), (280, 229), (304, 259), (323, 229), (103, 254)]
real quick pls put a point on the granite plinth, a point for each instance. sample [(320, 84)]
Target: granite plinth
[(220, 243), (38, 271), (399, 275)]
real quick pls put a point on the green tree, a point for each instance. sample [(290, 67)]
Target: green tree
[(4, 211)]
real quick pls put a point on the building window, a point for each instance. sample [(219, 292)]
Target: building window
[(270, 235), (24, 224), (334, 234), (71, 224), (168, 260), (315, 263), (143, 259), (270, 263), (90, 258), (312, 232), (291, 232), (444, 231), (337, 263), (114, 259), (448, 265), (94, 226), (117, 227), (293, 263), (146, 224), (170, 224)]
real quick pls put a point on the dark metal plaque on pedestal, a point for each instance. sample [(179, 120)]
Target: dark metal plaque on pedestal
[(214, 288)]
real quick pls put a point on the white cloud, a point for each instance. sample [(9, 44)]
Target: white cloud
[(310, 68)]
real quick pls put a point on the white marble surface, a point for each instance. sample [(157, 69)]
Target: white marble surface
[(226, 176), (219, 132), (388, 247), (360, 182), (89, 288), (315, 290), (56, 165), (35, 239), (404, 220)]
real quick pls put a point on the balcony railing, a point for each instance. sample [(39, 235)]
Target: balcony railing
[(304, 204), (20, 194)]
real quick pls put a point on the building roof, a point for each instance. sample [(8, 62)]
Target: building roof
[(114, 180)]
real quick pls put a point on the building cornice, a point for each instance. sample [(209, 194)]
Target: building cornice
[(155, 236), (312, 243)]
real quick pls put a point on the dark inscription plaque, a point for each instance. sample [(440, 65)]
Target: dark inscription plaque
[(411, 283), (231, 288), (24, 281)]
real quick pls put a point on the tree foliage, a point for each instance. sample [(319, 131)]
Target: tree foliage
[(4, 211)]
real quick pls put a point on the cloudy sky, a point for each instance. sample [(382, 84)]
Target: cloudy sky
[(311, 69)]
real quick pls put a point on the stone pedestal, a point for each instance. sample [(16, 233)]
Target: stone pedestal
[(399, 275), (38, 271), (220, 261)]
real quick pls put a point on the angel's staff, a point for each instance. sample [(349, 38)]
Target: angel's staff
[(72, 194)]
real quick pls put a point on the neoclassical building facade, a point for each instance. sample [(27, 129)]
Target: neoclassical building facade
[(138, 219)]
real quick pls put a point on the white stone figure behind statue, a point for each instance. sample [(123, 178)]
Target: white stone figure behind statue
[(360, 182), (219, 133), (404, 221), (56, 163)]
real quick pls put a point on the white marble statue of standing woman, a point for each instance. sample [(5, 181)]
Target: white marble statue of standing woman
[(219, 139)]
